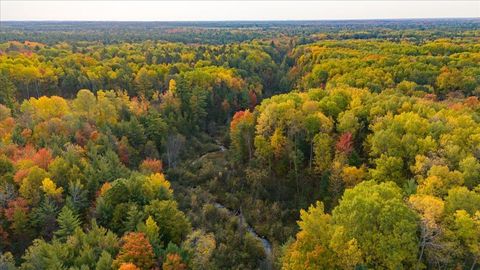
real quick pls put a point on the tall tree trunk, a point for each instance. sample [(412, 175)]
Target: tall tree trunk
[(36, 88), (295, 164), (421, 251), (249, 145), (311, 155)]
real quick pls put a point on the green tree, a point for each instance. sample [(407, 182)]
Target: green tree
[(201, 246), (322, 148), (385, 228), (85, 104), (389, 169), (104, 262), (470, 167), (172, 223), (68, 222), (467, 231), (152, 232), (7, 91)]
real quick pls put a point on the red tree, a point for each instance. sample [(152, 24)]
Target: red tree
[(19, 204), (253, 99), (345, 143), (42, 158)]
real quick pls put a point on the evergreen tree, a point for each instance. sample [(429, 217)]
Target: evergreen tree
[(7, 91), (68, 222), (105, 261)]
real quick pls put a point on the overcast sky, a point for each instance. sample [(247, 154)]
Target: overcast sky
[(233, 10)]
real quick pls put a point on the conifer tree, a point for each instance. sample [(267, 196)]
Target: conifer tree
[(68, 222)]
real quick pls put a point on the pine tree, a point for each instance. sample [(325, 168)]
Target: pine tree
[(68, 222), (152, 232), (134, 218), (7, 95), (104, 262)]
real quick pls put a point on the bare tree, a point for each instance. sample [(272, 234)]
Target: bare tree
[(175, 144)]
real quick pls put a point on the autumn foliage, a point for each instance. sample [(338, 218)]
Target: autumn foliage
[(240, 116), (374, 125), (136, 250), (174, 262), (150, 166), (128, 266), (42, 158), (345, 144)]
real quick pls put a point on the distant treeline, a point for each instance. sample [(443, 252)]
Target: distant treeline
[(218, 32)]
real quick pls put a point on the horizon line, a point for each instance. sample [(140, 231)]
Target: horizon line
[(257, 20)]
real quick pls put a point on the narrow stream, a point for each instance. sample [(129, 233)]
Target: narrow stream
[(267, 246)]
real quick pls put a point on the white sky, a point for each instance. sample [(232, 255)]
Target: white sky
[(233, 10)]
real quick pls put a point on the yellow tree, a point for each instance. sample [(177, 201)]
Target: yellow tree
[(431, 210)]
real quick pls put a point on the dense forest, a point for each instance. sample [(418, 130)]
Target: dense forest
[(240, 145)]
